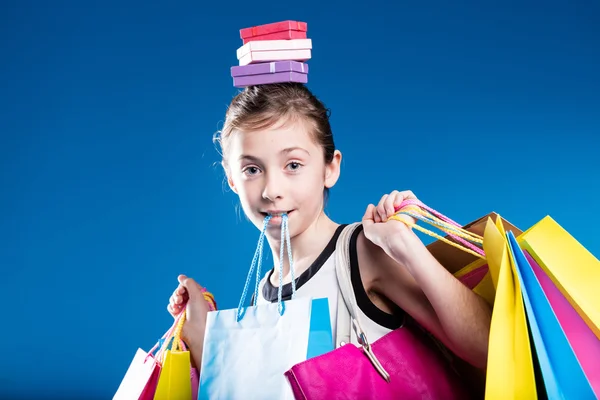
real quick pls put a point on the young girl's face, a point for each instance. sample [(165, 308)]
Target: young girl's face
[(280, 169)]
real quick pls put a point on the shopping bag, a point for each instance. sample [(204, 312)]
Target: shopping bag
[(174, 382), (195, 380), (139, 382), (403, 364), (585, 344), (142, 375), (248, 349), (563, 375), (468, 268), (510, 369), (572, 268)]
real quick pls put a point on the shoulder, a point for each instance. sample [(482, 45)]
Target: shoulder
[(368, 256), (373, 260), (392, 283), (385, 280), (367, 280)]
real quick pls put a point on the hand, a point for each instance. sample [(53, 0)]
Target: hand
[(189, 295), (394, 237)]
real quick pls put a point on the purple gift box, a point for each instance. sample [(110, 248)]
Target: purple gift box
[(270, 72)]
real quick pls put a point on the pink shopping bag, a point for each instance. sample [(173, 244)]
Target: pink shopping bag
[(141, 379), (582, 339)]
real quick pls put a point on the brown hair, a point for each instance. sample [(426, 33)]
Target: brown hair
[(262, 106)]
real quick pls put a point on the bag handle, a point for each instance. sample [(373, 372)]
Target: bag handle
[(346, 292), (285, 243), (158, 357), (464, 240), (348, 316)]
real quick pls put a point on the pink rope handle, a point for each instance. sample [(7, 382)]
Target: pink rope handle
[(164, 337), (210, 299), (413, 202), (212, 306)]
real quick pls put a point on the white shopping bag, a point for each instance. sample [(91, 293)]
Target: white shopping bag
[(247, 350)]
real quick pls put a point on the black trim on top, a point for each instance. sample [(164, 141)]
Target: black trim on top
[(270, 292), (390, 321)]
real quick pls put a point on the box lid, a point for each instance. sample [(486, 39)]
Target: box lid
[(269, 68), (283, 35), (454, 259), (257, 57), (264, 45), (273, 27)]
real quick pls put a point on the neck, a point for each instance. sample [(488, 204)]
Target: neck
[(306, 246)]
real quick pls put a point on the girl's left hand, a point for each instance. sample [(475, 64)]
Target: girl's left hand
[(391, 235)]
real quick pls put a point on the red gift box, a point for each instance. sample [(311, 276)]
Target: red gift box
[(283, 35), (275, 31)]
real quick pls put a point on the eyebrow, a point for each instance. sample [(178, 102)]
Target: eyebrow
[(284, 151)]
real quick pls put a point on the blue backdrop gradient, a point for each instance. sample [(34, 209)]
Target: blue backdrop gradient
[(111, 185)]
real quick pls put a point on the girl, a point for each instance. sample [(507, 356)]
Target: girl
[(279, 157)]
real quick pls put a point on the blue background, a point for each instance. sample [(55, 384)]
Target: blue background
[(110, 182)]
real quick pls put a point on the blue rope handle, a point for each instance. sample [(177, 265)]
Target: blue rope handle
[(285, 236), (256, 259), (289, 251), (257, 263)]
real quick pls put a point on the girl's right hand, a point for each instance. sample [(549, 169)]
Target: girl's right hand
[(189, 295)]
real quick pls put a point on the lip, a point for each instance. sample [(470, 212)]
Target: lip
[(275, 214)]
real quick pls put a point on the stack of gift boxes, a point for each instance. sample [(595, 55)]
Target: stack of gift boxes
[(272, 53)]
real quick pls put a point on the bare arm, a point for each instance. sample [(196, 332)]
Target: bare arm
[(409, 275), (439, 302), (196, 353)]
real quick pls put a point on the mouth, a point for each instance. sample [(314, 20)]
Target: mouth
[(275, 214)]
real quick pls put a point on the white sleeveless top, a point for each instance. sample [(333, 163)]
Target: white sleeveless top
[(320, 281)]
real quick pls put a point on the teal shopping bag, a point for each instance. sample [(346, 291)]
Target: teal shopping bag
[(562, 374), (248, 349)]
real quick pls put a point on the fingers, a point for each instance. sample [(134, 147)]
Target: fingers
[(391, 202), (174, 311), (369, 216), (380, 214), (187, 294), (389, 205), (179, 298), (190, 286)]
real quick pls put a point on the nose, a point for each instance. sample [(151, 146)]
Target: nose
[(273, 186)]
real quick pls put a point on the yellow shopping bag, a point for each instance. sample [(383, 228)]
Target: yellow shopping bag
[(510, 369), (572, 268), (174, 382), (510, 373), (466, 267)]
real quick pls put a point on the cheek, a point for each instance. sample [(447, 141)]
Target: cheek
[(250, 194), (246, 190), (309, 189)]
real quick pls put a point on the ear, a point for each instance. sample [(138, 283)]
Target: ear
[(332, 170), (229, 178)]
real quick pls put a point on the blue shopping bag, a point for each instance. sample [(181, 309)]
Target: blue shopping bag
[(248, 349), (562, 374)]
